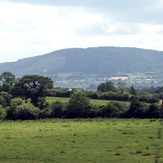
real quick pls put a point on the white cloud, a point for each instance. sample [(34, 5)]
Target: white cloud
[(28, 30)]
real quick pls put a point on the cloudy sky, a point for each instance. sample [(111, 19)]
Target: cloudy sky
[(34, 27)]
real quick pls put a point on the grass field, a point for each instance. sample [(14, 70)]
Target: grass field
[(93, 101), (81, 141)]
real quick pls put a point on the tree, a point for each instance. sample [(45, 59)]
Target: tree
[(136, 110), (110, 111), (7, 80), (56, 109), (152, 111), (26, 111), (2, 113), (7, 77), (32, 86), (105, 87), (121, 85), (78, 105), (132, 90)]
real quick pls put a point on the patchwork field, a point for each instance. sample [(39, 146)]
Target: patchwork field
[(81, 141)]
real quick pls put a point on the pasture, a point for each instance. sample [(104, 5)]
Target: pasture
[(81, 141), (92, 101)]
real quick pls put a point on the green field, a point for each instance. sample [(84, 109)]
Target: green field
[(93, 101), (81, 141)]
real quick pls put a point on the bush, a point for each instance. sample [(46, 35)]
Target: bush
[(2, 113), (12, 108), (56, 109), (2, 101), (7, 97), (136, 110), (110, 111), (152, 111), (26, 111), (78, 106)]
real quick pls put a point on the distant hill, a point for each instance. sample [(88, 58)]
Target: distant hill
[(100, 60)]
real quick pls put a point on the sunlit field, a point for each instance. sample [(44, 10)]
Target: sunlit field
[(81, 141), (92, 101)]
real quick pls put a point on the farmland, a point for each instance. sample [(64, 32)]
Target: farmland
[(81, 140), (92, 101)]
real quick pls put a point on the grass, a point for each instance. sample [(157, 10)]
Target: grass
[(93, 101), (80, 140)]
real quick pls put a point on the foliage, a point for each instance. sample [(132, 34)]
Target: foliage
[(53, 110), (78, 105), (2, 113), (136, 110), (7, 77), (105, 87), (7, 80), (2, 101), (132, 90), (152, 111), (7, 97), (32, 86), (110, 111), (11, 110), (121, 86), (56, 109), (92, 94), (26, 111), (62, 92)]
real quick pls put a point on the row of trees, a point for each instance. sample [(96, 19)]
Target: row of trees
[(24, 98), (78, 106), (34, 87), (109, 91)]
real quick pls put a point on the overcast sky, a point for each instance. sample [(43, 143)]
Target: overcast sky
[(34, 27)]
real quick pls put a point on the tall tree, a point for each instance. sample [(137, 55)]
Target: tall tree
[(7, 77), (78, 105), (32, 86), (105, 87), (121, 85), (7, 80)]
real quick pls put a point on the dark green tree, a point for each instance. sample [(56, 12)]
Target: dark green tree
[(56, 109), (7, 80), (7, 77), (121, 86), (105, 87), (32, 86), (132, 90), (136, 110), (78, 105), (2, 113)]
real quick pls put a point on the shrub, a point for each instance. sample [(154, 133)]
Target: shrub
[(136, 110), (78, 105), (7, 97), (2, 113), (110, 111), (152, 111), (26, 111), (15, 102), (2, 101), (56, 109)]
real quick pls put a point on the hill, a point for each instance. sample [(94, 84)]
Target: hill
[(100, 60)]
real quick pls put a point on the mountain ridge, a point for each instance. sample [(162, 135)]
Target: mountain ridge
[(93, 60)]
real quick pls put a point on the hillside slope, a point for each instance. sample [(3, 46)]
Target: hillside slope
[(100, 60)]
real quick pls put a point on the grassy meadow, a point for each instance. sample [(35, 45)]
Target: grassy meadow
[(81, 141), (92, 101)]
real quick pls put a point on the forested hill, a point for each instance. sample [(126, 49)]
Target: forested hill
[(100, 60)]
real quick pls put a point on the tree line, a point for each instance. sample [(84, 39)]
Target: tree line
[(24, 98)]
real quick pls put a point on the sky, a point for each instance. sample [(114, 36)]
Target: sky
[(35, 27)]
